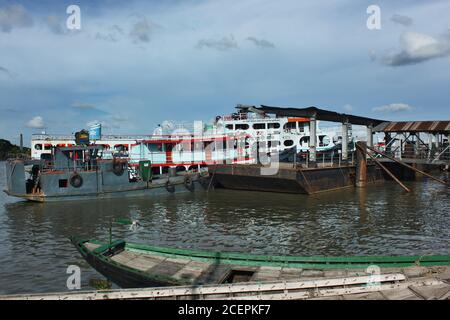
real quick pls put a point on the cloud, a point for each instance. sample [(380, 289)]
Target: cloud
[(142, 30), (14, 16), (416, 48), (403, 20), (119, 118), (348, 108), (6, 72), (113, 34), (83, 106), (36, 123), (393, 107), (224, 44), (261, 43), (55, 24)]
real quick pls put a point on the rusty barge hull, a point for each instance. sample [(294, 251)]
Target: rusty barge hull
[(289, 179)]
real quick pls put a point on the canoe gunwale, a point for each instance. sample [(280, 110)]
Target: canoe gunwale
[(313, 262)]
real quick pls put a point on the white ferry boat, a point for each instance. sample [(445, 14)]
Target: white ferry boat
[(229, 138)]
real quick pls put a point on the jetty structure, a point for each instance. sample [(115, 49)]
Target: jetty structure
[(403, 156)]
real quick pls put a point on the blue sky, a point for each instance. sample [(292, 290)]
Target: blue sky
[(134, 64)]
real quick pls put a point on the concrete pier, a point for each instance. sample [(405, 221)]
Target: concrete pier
[(312, 142)]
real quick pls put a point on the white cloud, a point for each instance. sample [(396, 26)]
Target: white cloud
[(416, 48), (348, 108), (14, 16), (55, 24), (36, 123), (393, 107)]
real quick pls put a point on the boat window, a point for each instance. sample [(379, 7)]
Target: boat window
[(301, 126), (156, 147), (229, 126), (275, 125), (121, 147), (324, 140), (289, 125), (185, 146), (304, 140), (47, 147), (288, 143), (38, 146), (63, 183), (241, 126), (259, 126)]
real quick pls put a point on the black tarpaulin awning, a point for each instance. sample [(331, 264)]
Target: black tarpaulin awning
[(320, 114)]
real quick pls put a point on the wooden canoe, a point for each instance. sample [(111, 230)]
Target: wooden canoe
[(136, 265)]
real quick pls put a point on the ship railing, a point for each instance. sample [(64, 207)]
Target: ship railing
[(74, 166), (423, 152), (324, 159)]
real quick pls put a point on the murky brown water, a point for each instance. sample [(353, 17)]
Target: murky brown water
[(382, 219)]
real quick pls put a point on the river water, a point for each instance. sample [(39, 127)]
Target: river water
[(379, 220)]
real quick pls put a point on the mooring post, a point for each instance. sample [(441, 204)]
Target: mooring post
[(345, 142), (312, 142), (21, 142), (361, 164)]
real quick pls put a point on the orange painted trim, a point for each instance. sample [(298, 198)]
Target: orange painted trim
[(298, 119)]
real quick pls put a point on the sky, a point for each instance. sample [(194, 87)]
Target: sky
[(134, 64)]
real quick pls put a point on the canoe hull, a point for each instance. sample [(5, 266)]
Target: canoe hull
[(123, 277), (136, 266)]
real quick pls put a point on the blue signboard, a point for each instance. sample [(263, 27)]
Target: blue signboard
[(95, 132)]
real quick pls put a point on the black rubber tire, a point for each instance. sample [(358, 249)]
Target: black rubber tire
[(118, 168), (170, 187), (76, 180)]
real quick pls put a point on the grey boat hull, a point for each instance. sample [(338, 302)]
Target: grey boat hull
[(134, 193)]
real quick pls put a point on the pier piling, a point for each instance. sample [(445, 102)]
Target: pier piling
[(312, 142), (361, 164)]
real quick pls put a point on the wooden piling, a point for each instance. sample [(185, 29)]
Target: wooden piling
[(361, 164)]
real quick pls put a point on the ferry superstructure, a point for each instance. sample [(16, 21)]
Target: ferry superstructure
[(183, 147)]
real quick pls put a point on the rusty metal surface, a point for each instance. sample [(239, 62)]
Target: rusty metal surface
[(245, 177), (414, 126)]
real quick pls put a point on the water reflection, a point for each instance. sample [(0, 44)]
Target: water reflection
[(380, 219)]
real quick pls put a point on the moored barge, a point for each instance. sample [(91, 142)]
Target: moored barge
[(80, 173)]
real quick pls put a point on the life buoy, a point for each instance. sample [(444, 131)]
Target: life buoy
[(118, 168), (189, 183), (76, 180), (170, 187)]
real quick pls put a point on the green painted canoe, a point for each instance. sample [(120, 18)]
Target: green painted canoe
[(139, 265)]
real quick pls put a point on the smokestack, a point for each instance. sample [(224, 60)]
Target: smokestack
[(21, 142)]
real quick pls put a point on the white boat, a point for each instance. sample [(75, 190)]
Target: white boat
[(230, 138)]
